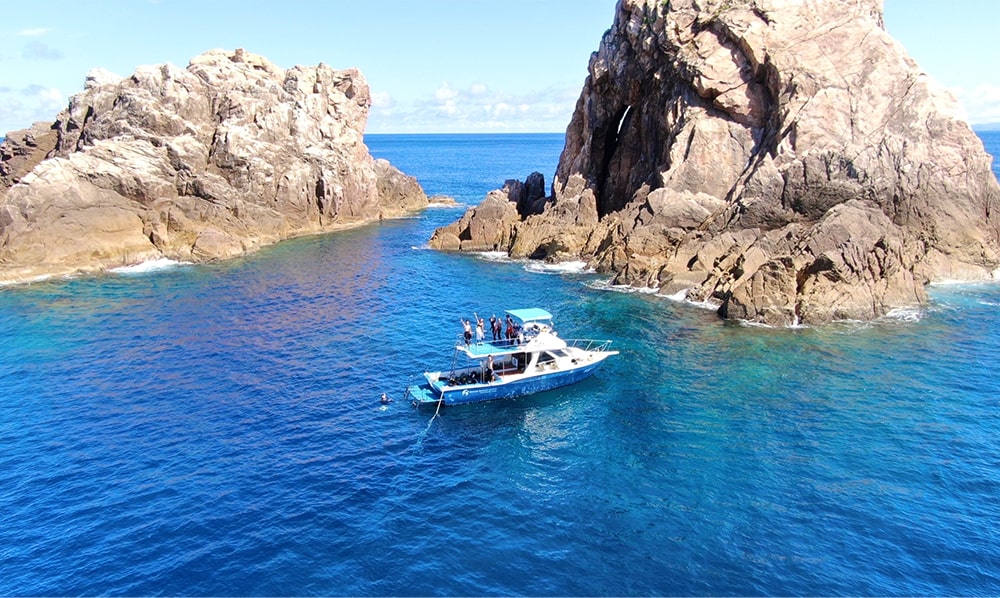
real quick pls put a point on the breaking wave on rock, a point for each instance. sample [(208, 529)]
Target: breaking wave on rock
[(905, 314), (605, 285), (438, 205), (493, 256), (149, 266), (536, 266), (678, 297), (575, 267)]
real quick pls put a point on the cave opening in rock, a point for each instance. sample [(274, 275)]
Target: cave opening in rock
[(608, 200)]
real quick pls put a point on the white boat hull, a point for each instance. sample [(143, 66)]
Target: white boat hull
[(505, 386)]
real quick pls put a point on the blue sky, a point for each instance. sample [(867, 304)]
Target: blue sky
[(432, 65)]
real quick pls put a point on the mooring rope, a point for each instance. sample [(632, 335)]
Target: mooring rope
[(420, 438)]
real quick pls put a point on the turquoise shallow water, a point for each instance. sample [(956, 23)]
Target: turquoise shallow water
[(216, 430)]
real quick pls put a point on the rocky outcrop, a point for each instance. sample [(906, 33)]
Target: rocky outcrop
[(489, 226), (785, 160), (193, 164)]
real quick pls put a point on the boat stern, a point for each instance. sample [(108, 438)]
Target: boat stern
[(423, 394)]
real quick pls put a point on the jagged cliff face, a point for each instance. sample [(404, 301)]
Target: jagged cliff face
[(785, 159), (200, 163)]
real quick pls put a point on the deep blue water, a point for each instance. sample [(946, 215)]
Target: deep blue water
[(216, 430)]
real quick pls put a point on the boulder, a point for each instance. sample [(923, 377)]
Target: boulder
[(486, 227)]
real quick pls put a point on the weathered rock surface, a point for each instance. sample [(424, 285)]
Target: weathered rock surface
[(193, 164), (786, 160)]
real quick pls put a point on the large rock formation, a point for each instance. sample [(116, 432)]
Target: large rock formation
[(785, 159), (206, 162)]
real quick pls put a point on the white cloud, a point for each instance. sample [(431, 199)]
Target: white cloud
[(383, 100), (477, 108), (34, 32), (37, 50), (445, 92), (981, 103), (21, 107)]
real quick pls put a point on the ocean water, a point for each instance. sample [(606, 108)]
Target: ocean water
[(216, 430)]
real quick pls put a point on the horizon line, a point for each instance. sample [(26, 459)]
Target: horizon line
[(987, 127)]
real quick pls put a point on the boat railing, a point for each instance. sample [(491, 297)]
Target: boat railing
[(585, 344), (504, 343), (588, 344)]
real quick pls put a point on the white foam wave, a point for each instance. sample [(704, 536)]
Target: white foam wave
[(40, 278), (149, 266), (706, 305), (535, 266), (605, 285), (953, 282), (445, 205), (493, 256), (950, 282), (905, 314), (557, 267), (680, 296)]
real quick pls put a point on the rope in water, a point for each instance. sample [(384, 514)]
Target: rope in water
[(420, 439)]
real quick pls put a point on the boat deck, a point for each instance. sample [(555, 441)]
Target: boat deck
[(422, 393), (487, 348)]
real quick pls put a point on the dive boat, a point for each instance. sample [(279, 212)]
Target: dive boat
[(535, 360)]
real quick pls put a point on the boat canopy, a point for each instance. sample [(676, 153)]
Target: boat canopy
[(531, 314)]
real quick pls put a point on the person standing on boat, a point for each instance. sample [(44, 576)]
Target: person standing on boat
[(468, 331), (480, 334), (495, 327), (510, 328), (489, 369)]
